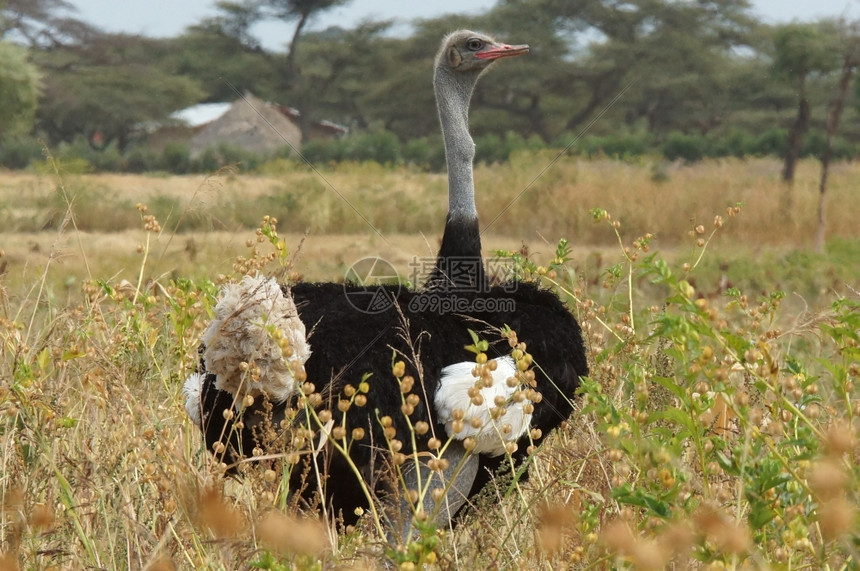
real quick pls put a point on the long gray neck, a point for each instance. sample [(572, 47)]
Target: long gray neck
[(452, 99)]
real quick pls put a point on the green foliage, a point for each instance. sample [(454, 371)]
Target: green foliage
[(716, 422), (616, 146), (176, 158), (688, 80), (80, 151), (109, 89), (381, 147), (737, 143), (771, 142), (426, 153), (802, 49), (228, 154), (492, 148), (141, 159), (19, 91), (18, 151), (690, 148)]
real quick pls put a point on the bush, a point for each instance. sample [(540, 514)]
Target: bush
[(206, 162), (490, 149), (737, 143), (176, 158), (232, 154), (141, 159), (382, 147), (623, 146), (690, 148), (772, 142), (17, 152), (321, 151), (422, 153), (108, 159)]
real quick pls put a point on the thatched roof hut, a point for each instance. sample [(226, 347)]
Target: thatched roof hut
[(249, 123)]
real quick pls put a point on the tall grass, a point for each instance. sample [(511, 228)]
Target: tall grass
[(648, 196), (718, 429)]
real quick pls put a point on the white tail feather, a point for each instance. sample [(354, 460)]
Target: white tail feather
[(490, 435)]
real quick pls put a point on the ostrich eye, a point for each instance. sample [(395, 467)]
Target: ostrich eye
[(474, 44)]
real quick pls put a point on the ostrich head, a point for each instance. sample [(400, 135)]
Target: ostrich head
[(463, 56), (469, 53)]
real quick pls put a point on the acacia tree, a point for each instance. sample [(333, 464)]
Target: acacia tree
[(237, 19), (110, 87), (670, 63), (849, 36), (800, 51), (44, 24), (300, 11)]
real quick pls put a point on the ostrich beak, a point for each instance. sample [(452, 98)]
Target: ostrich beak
[(496, 51)]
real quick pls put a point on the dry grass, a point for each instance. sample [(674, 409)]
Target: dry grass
[(206, 219), (100, 466), (402, 201)]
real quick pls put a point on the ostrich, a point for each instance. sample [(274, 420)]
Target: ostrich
[(462, 58), (437, 392)]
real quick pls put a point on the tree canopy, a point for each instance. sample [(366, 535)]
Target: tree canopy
[(659, 70), (19, 90)]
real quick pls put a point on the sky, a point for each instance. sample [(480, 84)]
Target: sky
[(166, 18)]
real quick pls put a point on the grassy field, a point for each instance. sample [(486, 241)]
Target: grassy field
[(718, 429)]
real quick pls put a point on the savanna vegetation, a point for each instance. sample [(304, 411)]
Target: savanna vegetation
[(699, 223), (718, 428), (687, 80)]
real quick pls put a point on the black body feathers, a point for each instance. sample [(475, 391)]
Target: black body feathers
[(348, 344)]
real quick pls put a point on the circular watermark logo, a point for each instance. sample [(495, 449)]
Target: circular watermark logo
[(371, 285)]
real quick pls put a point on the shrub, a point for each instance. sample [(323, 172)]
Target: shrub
[(108, 159), (772, 142), (232, 154), (382, 147), (622, 146), (815, 144), (736, 143), (690, 148), (17, 151), (141, 159), (176, 158), (420, 152), (321, 151), (206, 162), (490, 149)]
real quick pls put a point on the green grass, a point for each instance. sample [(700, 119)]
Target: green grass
[(718, 428)]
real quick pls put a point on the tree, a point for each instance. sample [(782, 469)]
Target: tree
[(108, 89), (299, 10), (800, 50), (221, 64), (237, 19), (849, 34), (19, 90), (336, 67), (42, 23), (675, 58)]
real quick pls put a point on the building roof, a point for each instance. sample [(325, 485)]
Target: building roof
[(200, 114)]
